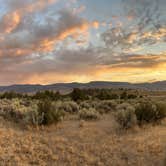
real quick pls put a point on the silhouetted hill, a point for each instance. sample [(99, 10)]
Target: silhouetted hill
[(66, 87)]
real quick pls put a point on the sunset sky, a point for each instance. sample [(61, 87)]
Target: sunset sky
[(50, 41)]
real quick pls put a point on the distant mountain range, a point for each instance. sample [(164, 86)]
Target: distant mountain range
[(67, 87)]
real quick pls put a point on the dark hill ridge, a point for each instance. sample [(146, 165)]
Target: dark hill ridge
[(66, 87)]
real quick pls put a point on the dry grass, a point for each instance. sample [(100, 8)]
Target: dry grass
[(95, 143)]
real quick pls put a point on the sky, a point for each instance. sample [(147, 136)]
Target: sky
[(51, 41)]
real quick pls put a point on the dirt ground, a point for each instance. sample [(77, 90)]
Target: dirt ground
[(75, 143)]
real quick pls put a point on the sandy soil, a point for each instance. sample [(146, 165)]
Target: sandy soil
[(75, 143)]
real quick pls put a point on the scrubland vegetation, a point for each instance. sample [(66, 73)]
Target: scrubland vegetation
[(44, 108), (126, 113)]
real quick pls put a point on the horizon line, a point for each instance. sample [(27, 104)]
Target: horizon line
[(21, 84)]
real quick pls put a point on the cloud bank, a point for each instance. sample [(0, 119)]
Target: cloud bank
[(39, 44)]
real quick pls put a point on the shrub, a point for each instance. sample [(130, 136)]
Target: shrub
[(34, 118), (161, 110), (94, 104), (49, 95), (68, 106), (132, 96), (78, 95), (26, 102), (10, 95), (126, 117), (85, 104), (14, 109), (106, 106), (147, 112), (105, 94), (49, 113), (124, 106), (10, 113), (88, 114), (124, 95)]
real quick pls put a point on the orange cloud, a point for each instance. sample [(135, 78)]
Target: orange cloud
[(38, 5), (95, 24), (131, 74), (48, 44), (10, 21), (132, 37), (42, 39), (104, 73), (155, 35), (74, 32)]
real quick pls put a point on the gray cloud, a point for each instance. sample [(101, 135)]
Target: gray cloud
[(23, 46), (33, 37), (74, 62), (146, 27)]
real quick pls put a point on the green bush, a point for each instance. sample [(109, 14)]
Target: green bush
[(132, 96), (124, 106), (124, 95), (89, 114), (49, 95), (11, 95), (10, 113), (125, 116), (68, 106), (106, 106), (105, 94), (49, 112), (14, 109), (34, 118), (148, 112), (78, 95), (161, 110), (85, 104), (26, 102)]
